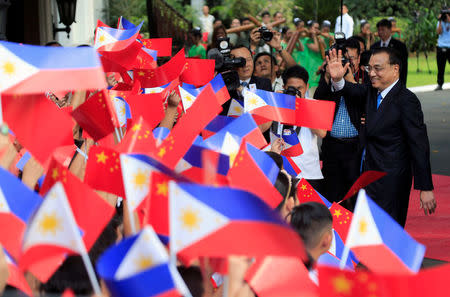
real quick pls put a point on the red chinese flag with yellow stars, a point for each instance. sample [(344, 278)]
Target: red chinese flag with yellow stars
[(306, 111), (154, 210), (162, 45), (180, 139), (306, 193), (139, 139), (92, 213), (97, 116), (103, 171), (198, 72), (341, 219), (152, 78), (363, 181)]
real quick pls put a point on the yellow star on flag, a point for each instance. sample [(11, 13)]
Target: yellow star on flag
[(50, 223), (253, 101), (55, 173), (337, 213), (141, 73), (162, 152), (101, 39), (342, 285), (143, 263), (102, 157), (304, 187), (136, 127), (162, 189)]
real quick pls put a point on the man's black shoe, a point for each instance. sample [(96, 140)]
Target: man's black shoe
[(438, 88)]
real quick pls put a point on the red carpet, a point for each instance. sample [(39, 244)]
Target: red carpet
[(433, 231)]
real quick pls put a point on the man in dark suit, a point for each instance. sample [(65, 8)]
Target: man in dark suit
[(384, 28), (394, 135), (247, 80)]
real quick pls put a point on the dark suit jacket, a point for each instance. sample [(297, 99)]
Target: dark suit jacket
[(403, 52), (396, 141)]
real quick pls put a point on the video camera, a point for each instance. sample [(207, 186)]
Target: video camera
[(339, 45), (292, 91), (266, 34), (444, 12), (225, 64)]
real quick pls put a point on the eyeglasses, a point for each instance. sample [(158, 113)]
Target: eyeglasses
[(377, 69)]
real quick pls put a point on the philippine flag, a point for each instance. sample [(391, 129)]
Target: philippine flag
[(17, 204), (218, 86), (28, 69), (292, 148), (270, 106), (188, 96), (217, 124), (139, 266), (381, 243), (16, 277), (217, 222), (110, 39)]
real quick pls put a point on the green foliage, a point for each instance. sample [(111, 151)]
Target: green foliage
[(421, 33), (319, 10), (185, 10), (133, 10)]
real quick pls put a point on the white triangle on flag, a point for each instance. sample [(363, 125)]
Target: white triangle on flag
[(189, 219), (13, 69), (153, 90), (182, 165), (136, 179), (332, 249), (230, 147), (146, 252), (54, 223), (121, 111), (187, 98), (236, 109), (4, 207), (252, 101), (103, 38), (363, 230)]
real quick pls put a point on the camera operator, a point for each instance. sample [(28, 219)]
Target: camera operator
[(266, 64), (443, 45), (341, 152), (295, 81)]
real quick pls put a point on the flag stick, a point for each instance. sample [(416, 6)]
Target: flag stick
[(121, 132), (131, 217), (344, 257), (91, 273), (117, 135), (225, 284)]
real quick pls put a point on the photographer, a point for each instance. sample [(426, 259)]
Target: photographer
[(443, 45), (341, 153)]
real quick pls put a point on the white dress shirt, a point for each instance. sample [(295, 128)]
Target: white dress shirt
[(347, 25), (385, 43)]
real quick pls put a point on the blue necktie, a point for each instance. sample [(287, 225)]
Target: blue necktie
[(244, 84), (379, 98)]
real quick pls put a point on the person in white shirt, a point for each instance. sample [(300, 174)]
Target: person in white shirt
[(206, 20), (297, 77), (347, 23)]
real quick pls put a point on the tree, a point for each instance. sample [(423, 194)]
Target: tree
[(133, 10), (318, 10)]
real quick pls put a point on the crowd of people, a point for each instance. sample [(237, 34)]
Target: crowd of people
[(377, 125)]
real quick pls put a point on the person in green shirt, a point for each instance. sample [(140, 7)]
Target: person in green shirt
[(326, 35), (396, 32), (197, 50), (313, 49)]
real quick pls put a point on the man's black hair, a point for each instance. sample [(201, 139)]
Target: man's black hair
[(309, 220), (241, 46), (265, 13), (274, 61), (276, 158), (245, 19), (275, 14), (193, 278), (360, 39), (296, 71), (353, 43), (365, 58), (384, 23), (394, 56), (283, 186), (310, 23)]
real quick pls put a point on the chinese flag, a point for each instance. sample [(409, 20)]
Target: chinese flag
[(147, 106), (155, 207), (151, 78), (306, 111), (144, 61), (39, 125), (175, 146), (92, 213), (111, 66), (341, 220), (246, 175), (126, 57), (306, 193), (103, 171), (363, 181), (198, 72), (162, 45), (97, 116), (139, 139)]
